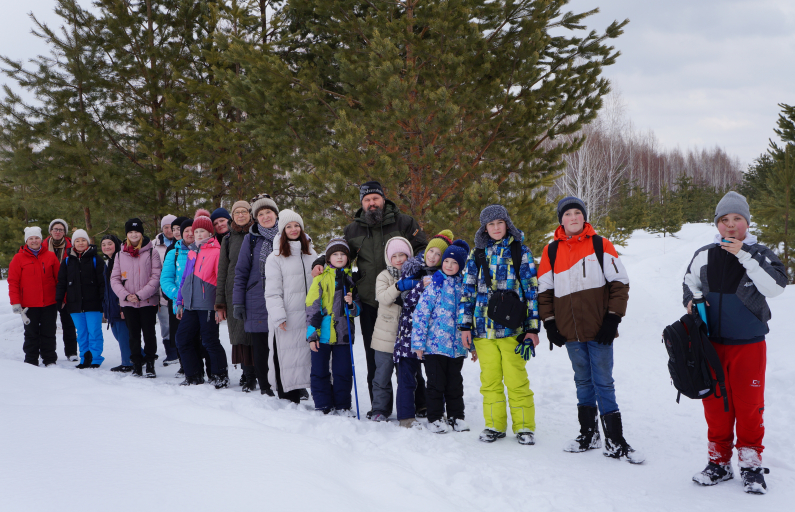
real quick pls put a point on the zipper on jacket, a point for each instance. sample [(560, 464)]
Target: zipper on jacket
[(583, 267), (720, 299)]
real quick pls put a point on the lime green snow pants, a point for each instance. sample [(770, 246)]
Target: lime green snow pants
[(497, 362)]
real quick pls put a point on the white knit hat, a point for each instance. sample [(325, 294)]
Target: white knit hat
[(80, 233), (288, 216), (167, 220), (262, 201), (32, 231), (61, 221)]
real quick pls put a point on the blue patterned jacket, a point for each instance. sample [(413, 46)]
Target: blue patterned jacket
[(435, 317), (474, 302)]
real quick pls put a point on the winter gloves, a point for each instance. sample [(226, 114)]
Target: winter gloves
[(406, 284), (239, 312), (19, 310), (525, 347), (553, 334), (607, 332)]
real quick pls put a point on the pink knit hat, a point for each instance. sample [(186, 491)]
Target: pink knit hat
[(396, 245), (202, 221)]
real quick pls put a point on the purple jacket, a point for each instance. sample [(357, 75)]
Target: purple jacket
[(139, 276), (249, 288)]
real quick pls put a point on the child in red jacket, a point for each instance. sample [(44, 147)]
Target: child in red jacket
[(32, 276)]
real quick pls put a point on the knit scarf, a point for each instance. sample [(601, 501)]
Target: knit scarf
[(133, 251), (55, 247), (393, 271), (268, 234)]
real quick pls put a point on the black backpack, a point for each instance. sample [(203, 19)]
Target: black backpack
[(690, 358)]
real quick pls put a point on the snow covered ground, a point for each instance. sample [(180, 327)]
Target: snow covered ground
[(95, 440)]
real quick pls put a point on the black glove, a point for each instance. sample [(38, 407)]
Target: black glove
[(607, 332), (553, 334), (239, 312)]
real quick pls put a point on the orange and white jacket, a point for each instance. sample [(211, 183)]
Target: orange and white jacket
[(579, 294)]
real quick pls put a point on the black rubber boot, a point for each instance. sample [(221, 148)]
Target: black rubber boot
[(589, 431), (222, 379), (615, 445)]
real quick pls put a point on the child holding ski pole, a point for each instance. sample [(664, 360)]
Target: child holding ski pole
[(735, 275), (436, 340), (329, 332)]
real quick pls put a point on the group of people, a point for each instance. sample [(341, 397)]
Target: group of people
[(423, 305)]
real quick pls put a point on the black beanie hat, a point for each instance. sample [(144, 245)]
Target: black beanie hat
[(187, 223), (134, 224), (371, 187), (178, 222)]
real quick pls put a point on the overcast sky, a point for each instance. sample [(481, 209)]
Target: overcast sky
[(696, 72)]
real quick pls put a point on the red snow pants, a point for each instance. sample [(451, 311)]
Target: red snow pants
[(744, 367)]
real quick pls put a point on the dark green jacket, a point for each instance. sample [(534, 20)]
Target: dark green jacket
[(368, 242)]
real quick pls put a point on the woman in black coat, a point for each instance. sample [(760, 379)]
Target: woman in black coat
[(81, 283)]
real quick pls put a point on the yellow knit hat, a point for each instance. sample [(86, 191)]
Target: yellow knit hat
[(441, 241)]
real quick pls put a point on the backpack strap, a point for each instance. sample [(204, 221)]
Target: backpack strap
[(516, 256), (482, 264), (599, 250), (552, 254)]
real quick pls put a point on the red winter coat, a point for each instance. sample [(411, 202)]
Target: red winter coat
[(32, 279)]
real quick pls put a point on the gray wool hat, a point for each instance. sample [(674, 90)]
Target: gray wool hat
[(491, 213), (733, 202), (59, 221), (567, 203), (263, 201)]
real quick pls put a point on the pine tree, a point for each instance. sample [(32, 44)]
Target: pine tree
[(63, 135), (632, 208), (665, 215), (448, 104), (774, 211)]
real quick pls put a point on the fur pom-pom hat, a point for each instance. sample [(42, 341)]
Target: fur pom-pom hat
[(201, 220)]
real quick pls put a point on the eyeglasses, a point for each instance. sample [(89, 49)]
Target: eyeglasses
[(240, 212), (58, 230)]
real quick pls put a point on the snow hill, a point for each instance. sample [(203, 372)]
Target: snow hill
[(96, 440)]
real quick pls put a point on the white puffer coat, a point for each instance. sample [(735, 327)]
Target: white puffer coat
[(386, 324), (287, 280)]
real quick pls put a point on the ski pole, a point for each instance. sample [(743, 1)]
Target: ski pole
[(350, 345)]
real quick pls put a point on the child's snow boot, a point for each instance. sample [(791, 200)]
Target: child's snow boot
[(421, 412), (526, 437), (138, 369), (304, 393), (439, 427), (150, 370), (180, 373), (458, 424), (490, 435), (714, 474), (122, 368), (754, 480), (589, 431), (615, 445)]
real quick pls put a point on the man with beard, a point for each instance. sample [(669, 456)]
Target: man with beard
[(377, 221), (60, 245)]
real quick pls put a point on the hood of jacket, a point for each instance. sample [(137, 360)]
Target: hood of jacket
[(386, 246), (587, 231)]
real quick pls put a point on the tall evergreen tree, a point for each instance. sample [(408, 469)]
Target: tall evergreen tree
[(448, 103), (775, 209)]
